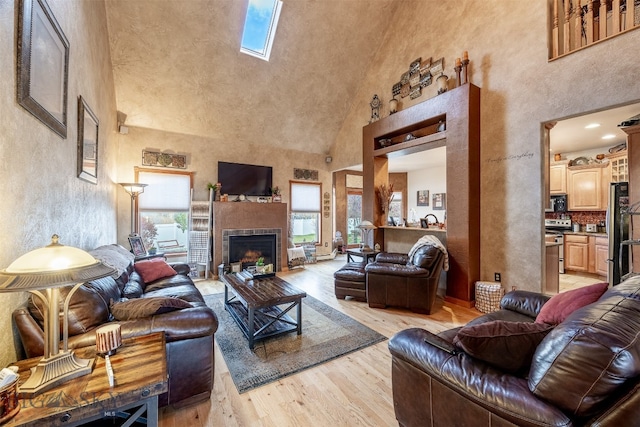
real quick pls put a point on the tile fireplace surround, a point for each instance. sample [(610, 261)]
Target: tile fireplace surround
[(248, 218)]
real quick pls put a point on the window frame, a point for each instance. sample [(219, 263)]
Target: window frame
[(271, 33)]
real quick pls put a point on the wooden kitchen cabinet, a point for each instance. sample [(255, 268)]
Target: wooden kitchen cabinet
[(585, 187), (576, 252), (558, 178), (619, 166), (601, 255)]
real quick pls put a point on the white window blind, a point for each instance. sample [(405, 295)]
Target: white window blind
[(165, 191), (305, 197)]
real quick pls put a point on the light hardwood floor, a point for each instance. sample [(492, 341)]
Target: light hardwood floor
[(353, 390)]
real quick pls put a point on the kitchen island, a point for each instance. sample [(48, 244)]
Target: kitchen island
[(402, 239)]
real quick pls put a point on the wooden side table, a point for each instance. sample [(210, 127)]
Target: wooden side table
[(366, 256), (140, 370)]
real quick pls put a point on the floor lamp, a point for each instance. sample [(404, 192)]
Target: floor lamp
[(42, 272), (134, 189)]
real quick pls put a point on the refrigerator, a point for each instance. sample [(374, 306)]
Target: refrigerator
[(617, 231)]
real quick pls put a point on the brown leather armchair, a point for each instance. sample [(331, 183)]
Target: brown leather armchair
[(396, 279), (189, 332)]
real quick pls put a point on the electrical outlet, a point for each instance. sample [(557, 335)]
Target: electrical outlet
[(497, 277), (326, 244)]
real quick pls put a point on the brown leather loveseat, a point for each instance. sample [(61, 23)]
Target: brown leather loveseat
[(181, 313), (584, 371), (401, 280)]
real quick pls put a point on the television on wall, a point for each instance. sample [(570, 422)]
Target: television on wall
[(250, 180)]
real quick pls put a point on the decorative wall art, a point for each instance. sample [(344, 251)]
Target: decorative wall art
[(306, 174), (43, 65), (327, 204), (423, 198), (412, 81), (439, 201), (167, 160), (87, 143)]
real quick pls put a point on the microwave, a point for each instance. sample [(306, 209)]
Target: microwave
[(558, 203)]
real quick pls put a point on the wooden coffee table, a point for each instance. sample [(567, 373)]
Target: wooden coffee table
[(254, 305)]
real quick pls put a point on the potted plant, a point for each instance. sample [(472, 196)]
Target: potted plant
[(275, 194), (217, 187)]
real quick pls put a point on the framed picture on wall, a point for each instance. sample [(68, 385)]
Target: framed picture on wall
[(423, 198), (439, 201), (43, 65), (87, 143)]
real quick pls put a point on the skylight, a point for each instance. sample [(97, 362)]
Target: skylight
[(260, 27)]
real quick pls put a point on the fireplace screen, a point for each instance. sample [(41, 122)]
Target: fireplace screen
[(247, 249)]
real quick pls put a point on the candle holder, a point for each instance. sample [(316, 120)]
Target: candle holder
[(465, 69), (458, 69)]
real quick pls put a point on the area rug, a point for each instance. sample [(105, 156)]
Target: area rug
[(326, 335)]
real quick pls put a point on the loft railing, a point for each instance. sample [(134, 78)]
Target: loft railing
[(576, 24)]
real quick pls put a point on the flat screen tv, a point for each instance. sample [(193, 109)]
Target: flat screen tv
[(250, 180)]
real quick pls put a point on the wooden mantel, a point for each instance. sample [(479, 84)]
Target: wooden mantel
[(459, 108), (249, 216)]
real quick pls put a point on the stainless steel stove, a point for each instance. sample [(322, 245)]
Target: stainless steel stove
[(554, 232)]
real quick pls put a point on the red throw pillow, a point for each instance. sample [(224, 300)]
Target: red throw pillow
[(560, 306), (154, 269)]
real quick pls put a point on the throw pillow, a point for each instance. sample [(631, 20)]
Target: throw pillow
[(560, 306), (154, 269), (508, 346), (144, 307)]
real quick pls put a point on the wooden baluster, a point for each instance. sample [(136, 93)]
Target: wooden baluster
[(589, 19), (602, 20), (578, 25), (631, 9), (615, 19), (567, 27), (555, 36)]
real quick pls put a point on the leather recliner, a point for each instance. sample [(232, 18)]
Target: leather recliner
[(189, 332), (395, 279)]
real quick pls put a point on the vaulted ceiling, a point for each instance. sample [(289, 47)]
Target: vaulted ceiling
[(178, 68)]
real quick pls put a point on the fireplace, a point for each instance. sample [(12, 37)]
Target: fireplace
[(247, 245), (247, 249)]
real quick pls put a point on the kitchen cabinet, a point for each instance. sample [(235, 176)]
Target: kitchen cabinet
[(558, 178), (586, 187), (586, 253), (576, 252), (619, 166), (601, 255)]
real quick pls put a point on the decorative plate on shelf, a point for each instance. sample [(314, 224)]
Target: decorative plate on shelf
[(580, 161)]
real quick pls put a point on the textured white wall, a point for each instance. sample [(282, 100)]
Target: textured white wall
[(507, 45), (40, 192)]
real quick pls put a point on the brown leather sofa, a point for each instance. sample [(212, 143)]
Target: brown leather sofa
[(189, 332), (584, 372), (394, 279)]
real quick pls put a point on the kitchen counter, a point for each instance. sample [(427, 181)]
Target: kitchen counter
[(584, 233), (402, 239)]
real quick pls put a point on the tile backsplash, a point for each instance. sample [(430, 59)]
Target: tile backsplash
[(581, 217)]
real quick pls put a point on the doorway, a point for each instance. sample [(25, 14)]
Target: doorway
[(590, 145), (354, 216)]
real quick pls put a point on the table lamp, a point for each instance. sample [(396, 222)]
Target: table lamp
[(134, 189), (42, 272), (366, 227)]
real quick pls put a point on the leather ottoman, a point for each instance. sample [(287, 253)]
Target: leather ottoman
[(350, 281)]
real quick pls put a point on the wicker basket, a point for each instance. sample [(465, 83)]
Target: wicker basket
[(488, 296), (9, 403)]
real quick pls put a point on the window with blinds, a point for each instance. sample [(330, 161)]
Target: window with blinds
[(306, 206)]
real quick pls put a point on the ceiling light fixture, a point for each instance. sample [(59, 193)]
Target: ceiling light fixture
[(609, 136), (592, 126)]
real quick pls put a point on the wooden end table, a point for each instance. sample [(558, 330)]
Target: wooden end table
[(254, 306), (140, 370), (367, 256)]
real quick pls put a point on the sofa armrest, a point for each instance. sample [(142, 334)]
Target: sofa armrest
[(505, 395), (31, 334), (524, 302), (392, 258)]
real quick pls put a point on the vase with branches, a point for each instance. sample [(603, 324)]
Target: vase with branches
[(385, 196)]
